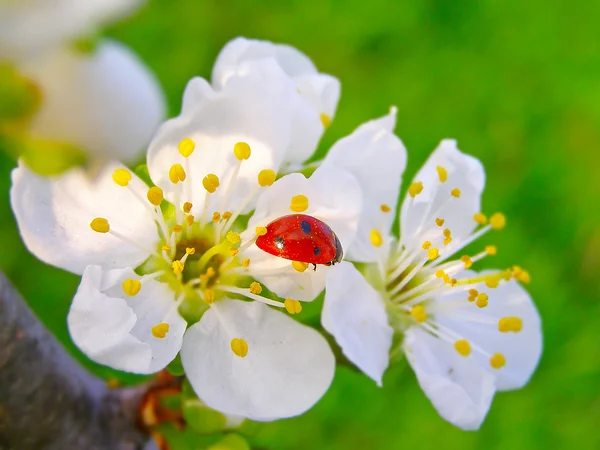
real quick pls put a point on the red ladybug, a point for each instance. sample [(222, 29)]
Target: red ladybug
[(302, 238)]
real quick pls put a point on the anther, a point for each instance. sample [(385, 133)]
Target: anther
[(100, 225), (176, 173), (385, 208), (186, 147), (209, 296), (187, 207), (497, 221), (491, 250), (239, 347), (255, 288), (415, 188), (233, 251), (439, 222), (226, 215), (426, 245), (177, 228), (160, 331), (190, 250), (492, 283), (299, 203), (177, 266), (299, 266), (246, 262), (497, 361), (131, 286), (442, 173), (189, 219), (482, 300), (480, 218), (418, 313), (510, 324), (473, 293), (375, 238), (155, 195), (122, 177), (210, 182), (455, 192), (241, 150), (233, 237), (261, 231), (166, 248), (266, 177), (292, 306), (325, 120), (463, 347), (440, 273), (433, 253), (216, 217), (467, 261)]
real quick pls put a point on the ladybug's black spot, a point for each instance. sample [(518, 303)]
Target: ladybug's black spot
[(316, 251), (306, 228), (279, 242)]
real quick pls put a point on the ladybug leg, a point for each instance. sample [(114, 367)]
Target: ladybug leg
[(314, 267)]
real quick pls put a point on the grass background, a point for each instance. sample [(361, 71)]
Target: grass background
[(518, 84)]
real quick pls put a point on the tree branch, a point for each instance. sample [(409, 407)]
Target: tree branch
[(47, 400)]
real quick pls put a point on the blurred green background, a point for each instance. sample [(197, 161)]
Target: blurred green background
[(518, 84)]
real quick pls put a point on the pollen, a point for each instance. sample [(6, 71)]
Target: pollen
[(210, 182), (415, 188), (155, 195), (233, 251), (497, 221), (246, 262), (455, 192), (261, 231), (216, 217), (177, 228), (480, 218), (226, 215), (186, 147), (418, 313), (463, 347), (482, 300), (375, 238), (299, 203), (166, 248), (467, 261), (189, 219), (190, 250), (510, 324), (131, 286), (233, 237), (519, 274), (176, 173), (497, 361), (160, 331), (442, 173), (440, 273), (241, 150), (492, 283), (491, 250), (187, 207), (447, 240), (325, 120), (239, 347), (100, 225), (177, 266), (255, 288), (292, 306), (385, 208), (426, 245), (299, 266), (473, 293), (439, 222), (122, 177), (266, 177), (209, 296), (433, 253)]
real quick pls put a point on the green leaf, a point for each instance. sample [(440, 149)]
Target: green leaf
[(175, 367), (231, 442), (144, 174), (202, 419)]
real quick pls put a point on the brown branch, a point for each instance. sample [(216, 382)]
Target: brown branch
[(47, 400)]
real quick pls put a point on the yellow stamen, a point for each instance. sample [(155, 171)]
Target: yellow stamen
[(415, 188), (418, 313), (497, 221), (463, 347), (325, 120), (439, 222), (299, 203), (241, 150), (189, 219), (440, 273), (100, 225), (155, 195), (491, 250), (210, 182), (239, 347), (226, 215), (266, 177), (216, 217), (480, 218), (122, 177), (299, 266), (190, 250), (447, 240), (186, 147), (467, 261), (497, 361), (447, 232), (385, 208), (510, 324), (492, 283), (519, 274), (187, 207), (261, 231), (433, 253), (166, 248), (375, 238), (455, 192), (255, 288), (292, 306), (176, 173), (233, 251), (426, 245), (177, 267), (131, 286), (482, 300), (209, 296), (442, 173), (246, 262), (233, 237), (160, 331), (177, 228)]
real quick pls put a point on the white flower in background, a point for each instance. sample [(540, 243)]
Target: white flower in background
[(155, 260), (466, 334), (313, 108)]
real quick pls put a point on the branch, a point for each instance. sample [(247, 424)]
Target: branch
[(49, 401)]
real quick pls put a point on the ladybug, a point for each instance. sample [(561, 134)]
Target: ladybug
[(302, 238)]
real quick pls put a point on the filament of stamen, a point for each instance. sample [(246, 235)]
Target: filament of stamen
[(247, 293)]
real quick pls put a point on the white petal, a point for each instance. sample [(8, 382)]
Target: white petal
[(54, 216), (377, 158), (27, 27), (246, 110), (288, 367), (334, 197), (435, 201), (479, 326), (107, 103), (459, 389), (354, 313), (116, 330), (322, 91)]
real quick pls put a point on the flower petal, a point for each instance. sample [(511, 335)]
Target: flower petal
[(435, 201), (246, 110), (377, 158), (333, 196), (287, 369), (107, 102), (116, 330), (54, 216), (354, 313), (459, 389), (480, 326)]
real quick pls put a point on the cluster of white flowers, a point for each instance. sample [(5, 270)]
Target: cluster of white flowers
[(172, 267)]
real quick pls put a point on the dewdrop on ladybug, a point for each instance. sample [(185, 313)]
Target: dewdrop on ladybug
[(302, 238)]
